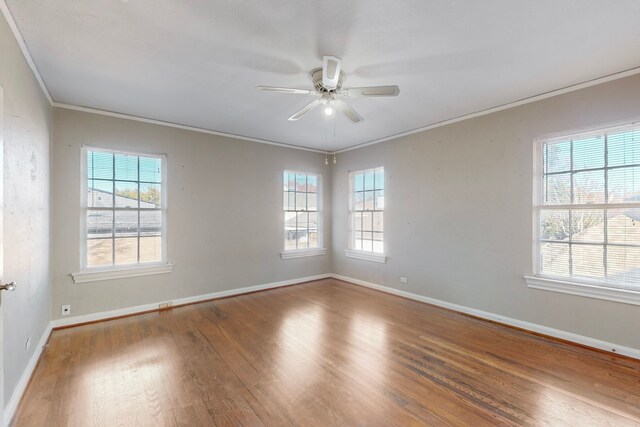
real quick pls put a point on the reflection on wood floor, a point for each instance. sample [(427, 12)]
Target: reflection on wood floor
[(319, 354)]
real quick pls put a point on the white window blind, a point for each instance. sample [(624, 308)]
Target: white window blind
[(588, 207), (123, 209), (301, 210), (367, 210)]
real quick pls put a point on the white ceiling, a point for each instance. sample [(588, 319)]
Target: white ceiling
[(197, 62)]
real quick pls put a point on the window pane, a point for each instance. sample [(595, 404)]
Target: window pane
[(290, 230), (378, 245), (368, 200), (554, 258), (312, 201), (301, 182), (99, 194), (587, 225), (624, 185), (285, 181), (151, 169), (554, 225), (99, 224), (150, 195), (313, 230), (558, 189), (379, 202), (358, 179), (368, 180), (292, 201), (291, 182), (623, 226), (378, 223), (357, 221), (126, 167), (367, 221), (367, 244), (624, 148), (99, 252), (301, 201), (302, 234), (150, 223), (588, 153), (588, 261), (357, 242), (312, 183), (558, 156), (379, 179), (588, 187), (126, 223), (99, 164), (623, 265), (151, 249), (126, 251), (126, 194), (358, 204)]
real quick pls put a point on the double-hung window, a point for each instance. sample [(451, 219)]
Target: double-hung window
[(302, 214), (123, 209), (587, 208), (366, 214)]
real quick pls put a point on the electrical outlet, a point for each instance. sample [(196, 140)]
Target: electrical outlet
[(403, 280), (66, 310), (27, 344), (165, 305)]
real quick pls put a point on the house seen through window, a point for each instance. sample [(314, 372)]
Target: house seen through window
[(367, 210), (301, 210), (588, 207), (123, 210)]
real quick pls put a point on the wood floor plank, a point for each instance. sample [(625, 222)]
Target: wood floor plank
[(324, 353)]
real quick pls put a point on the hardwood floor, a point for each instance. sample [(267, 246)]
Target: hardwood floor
[(319, 354)]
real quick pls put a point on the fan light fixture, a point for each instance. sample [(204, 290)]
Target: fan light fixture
[(328, 111)]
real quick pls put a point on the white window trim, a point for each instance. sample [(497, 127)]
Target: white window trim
[(95, 275), (584, 287), (625, 296), (366, 256), (302, 253), (92, 274), (306, 252)]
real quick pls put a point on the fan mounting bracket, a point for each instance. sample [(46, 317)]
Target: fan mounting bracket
[(316, 77)]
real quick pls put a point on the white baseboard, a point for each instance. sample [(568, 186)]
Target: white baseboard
[(12, 405), (70, 321), (14, 401), (545, 330)]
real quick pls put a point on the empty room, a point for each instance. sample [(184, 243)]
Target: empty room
[(319, 213)]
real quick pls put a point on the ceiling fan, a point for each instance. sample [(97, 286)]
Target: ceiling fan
[(327, 82)]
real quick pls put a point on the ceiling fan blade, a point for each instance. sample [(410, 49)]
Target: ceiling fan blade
[(310, 106), (348, 111), (286, 90), (355, 92), (331, 71)]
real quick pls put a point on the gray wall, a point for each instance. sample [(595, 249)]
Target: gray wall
[(225, 220), (27, 118), (459, 212)]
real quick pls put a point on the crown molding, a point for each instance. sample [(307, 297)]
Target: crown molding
[(179, 126), (25, 52), (23, 48), (523, 101)]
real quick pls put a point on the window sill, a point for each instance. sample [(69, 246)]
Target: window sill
[(120, 273), (367, 256), (301, 253), (625, 296)]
